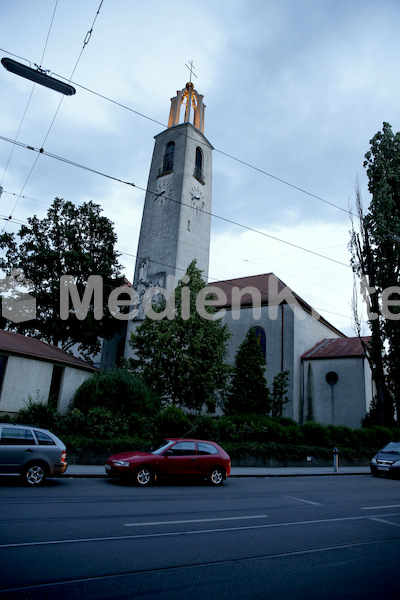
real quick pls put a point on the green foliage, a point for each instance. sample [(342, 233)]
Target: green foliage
[(182, 356), (38, 413), (248, 391), (280, 388), (71, 240), (173, 422), (100, 430), (375, 261), (119, 391), (316, 434)]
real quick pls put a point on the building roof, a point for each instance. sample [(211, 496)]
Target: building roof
[(266, 284), (338, 348), (21, 345)]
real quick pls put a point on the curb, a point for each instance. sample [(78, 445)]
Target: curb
[(236, 476)]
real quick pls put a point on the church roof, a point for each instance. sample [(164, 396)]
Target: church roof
[(264, 284), (338, 348), (21, 345)]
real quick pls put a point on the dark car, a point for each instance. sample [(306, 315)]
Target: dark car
[(172, 458), (387, 461), (32, 452)]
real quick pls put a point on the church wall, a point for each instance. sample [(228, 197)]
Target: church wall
[(287, 338), (343, 402), (307, 332), (279, 332)]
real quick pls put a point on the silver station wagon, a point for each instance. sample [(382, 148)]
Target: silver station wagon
[(31, 452)]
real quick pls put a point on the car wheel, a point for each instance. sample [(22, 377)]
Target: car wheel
[(144, 476), (216, 476), (35, 474)]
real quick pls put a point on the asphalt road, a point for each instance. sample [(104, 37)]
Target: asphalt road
[(299, 538)]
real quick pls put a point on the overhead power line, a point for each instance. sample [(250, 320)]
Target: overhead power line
[(86, 41), (31, 94), (65, 160), (235, 158), (226, 220)]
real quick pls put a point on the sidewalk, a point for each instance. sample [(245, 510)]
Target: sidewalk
[(99, 471)]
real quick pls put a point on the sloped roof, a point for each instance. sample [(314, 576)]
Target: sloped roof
[(338, 348), (21, 345), (264, 284)]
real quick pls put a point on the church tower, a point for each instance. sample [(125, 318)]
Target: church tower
[(176, 221), (176, 218)]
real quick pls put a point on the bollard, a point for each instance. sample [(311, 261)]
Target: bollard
[(335, 459)]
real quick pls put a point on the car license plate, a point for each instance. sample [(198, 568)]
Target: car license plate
[(383, 468)]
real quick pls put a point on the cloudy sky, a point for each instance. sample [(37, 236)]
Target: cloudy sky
[(294, 90)]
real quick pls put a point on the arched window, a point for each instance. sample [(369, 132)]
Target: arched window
[(198, 167), (168, 163), (262, 340)]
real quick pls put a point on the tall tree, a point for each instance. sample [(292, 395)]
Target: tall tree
[(249, 392), (376, 262), (182, 356), (70, 240)]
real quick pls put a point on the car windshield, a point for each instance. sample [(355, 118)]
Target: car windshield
[(157, 447), (392, 448)]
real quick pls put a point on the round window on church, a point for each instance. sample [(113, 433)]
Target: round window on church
[(332, 378)]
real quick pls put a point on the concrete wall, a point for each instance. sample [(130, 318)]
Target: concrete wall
[(347, 401), (166, 237), (72, 379), (289, 334), (26, 377), (307, 332)]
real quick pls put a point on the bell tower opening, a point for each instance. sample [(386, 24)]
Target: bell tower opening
[(189, 103)]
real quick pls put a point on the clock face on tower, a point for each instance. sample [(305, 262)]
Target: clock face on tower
[(163, 192), (196, 197)]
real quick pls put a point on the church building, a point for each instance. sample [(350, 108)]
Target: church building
[(175, 230)]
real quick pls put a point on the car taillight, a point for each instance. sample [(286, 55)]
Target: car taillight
[(63, 456)]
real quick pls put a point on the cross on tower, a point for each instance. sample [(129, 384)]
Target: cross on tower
[(191, 69)]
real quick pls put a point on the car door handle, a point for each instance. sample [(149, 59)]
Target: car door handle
[(29, 450), (192, 460)]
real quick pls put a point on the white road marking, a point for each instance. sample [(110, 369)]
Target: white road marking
[(306, 501), (192, 532), (195, 521), (383, 521), (379, 507)]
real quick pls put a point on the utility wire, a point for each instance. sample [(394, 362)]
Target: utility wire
[(31, 94), (239, 160), (86, 41), (225, 219)]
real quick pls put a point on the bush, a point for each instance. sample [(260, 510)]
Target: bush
[(316, 434), (119, 391), (205, 427), (172, 422), (39, 414)]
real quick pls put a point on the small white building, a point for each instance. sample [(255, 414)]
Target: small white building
[(31, 368), (336, 382)]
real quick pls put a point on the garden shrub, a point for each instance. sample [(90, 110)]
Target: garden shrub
[(39, 414), (205, 427), (316, 434), (172, 422), (118, 390)]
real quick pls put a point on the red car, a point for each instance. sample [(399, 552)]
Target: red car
[(173, 458)]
